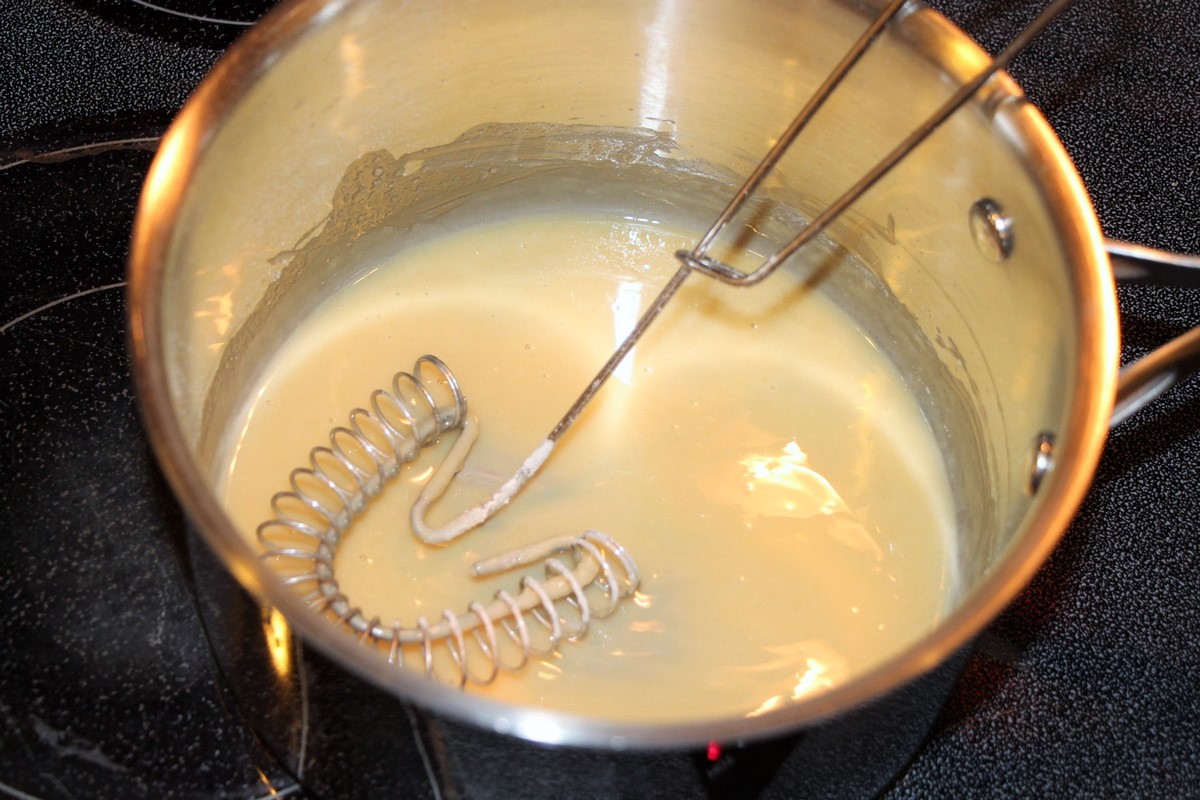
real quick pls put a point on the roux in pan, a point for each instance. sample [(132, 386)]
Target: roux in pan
[(759, 458)]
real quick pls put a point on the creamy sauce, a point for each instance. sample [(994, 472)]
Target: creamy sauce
[(758, 457)]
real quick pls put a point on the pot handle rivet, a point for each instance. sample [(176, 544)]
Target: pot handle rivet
[(992, 229), (1042, 462)]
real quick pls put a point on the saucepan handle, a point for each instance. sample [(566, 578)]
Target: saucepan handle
[(1150, 376)]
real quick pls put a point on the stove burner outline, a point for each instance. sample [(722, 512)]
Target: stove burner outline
[(196, 17), (77, 151)]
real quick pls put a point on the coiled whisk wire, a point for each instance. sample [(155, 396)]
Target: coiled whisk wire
[(301, 541)]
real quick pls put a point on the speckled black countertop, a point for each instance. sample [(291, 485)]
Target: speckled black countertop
[(1088, 686)]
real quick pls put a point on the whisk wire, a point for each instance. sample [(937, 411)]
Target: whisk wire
[(793, 130)]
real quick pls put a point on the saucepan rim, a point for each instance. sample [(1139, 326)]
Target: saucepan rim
[(1078, 449)]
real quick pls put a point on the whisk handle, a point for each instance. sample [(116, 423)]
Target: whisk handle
[(698, 261)]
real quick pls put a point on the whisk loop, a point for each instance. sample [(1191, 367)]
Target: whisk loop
[(301, 542)]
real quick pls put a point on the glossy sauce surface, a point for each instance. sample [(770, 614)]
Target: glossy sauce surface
[(755, 453)]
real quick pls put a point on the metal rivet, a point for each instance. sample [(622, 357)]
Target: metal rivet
[(992, 229), (1042, 462)]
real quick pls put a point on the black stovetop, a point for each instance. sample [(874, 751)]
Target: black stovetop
[(1088, 685)]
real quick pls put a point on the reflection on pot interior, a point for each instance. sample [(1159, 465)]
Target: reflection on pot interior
[(758, 454)]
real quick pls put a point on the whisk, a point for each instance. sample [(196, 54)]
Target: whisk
[(302, 540), (697, 259)]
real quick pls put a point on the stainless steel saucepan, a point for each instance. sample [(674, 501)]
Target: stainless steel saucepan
[(984, 272)]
